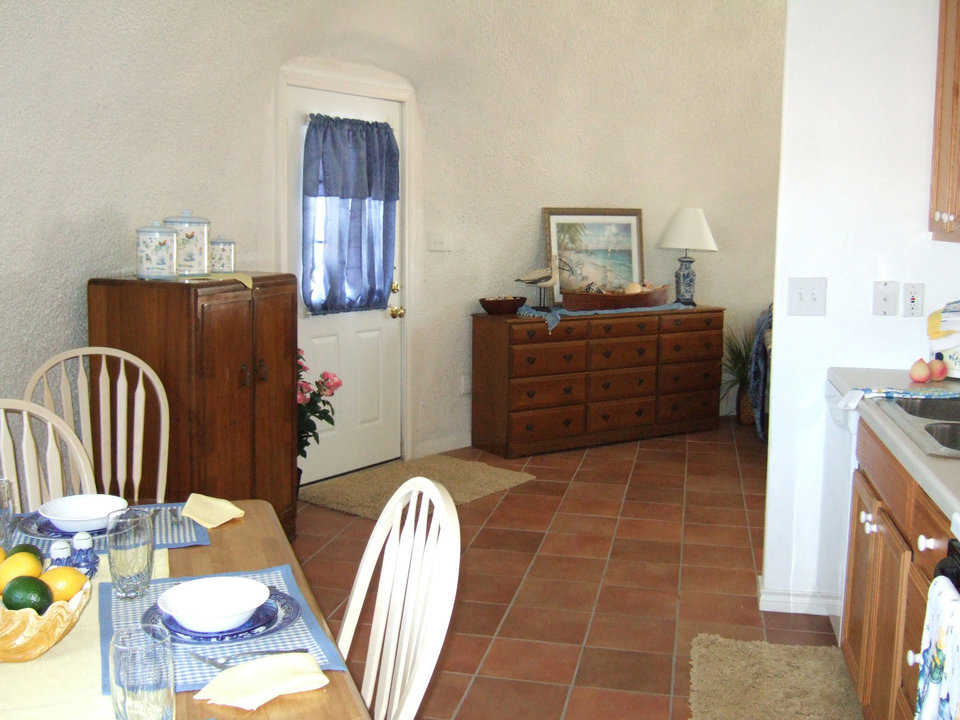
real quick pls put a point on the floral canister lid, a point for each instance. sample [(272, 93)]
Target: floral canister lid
[(157, 228), (186, 217)]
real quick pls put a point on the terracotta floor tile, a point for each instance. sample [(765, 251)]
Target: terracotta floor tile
[(647, 529), (646, 550), (632, 633), (443, 695), (614, 451), (566, 459), (583, 524), (653, 576), (467, 534), (495, 562), (557, 594), (474, 587), (344, 548), (520, 518), (798, 637), (539, 487), (497, 699), (637, 602), (321, 521), (462, 653), (681, 709), (532, 503), (655, 511), (710, 607), (687, 630), (642, 477), (359, 528), (574, 569), (707, 447), (719, 557), (797, 621), (321, 572), (531, 660), (681, 676), (711, 499), (551, 474), (704, 483), (624, 670), (306, 546), (329, 599), (594, 491), (609, 508), (646, 493), (530, 623), (603, 475), (715, 515), (714, 535), (476, 618), (668, 442), (721, 434), (648, 455), (727, 581), (587, 703), (578, 545), (517, 540), (657, 467)]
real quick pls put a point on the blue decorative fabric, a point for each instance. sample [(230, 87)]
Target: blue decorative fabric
[(759, 371), (553, 316), (351, 184)]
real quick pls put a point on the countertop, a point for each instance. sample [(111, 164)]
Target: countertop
[(938, 476)]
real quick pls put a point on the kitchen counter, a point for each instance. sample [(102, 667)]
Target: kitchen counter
[(938, 476)]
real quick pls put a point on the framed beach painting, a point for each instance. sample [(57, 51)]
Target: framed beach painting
[(594, 248)]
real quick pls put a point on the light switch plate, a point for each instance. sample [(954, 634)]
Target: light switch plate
[(886, 296), (807, 296), (913, 299)]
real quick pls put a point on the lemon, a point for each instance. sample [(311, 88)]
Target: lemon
[(20, 563), (64, 581), (27, 592), (3, 554), (27, 547)]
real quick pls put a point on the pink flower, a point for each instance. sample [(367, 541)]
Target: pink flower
[(304, 387), (331, 381), (301, 398), (302, 365)]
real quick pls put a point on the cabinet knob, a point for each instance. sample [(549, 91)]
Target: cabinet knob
[(676, 348), (865, 517), (531, 360), (607, 328), (639, 381), (606, 416), (936, 216), (606, 353), (568, 389), (677, 323), (528, 427), (869, 528), (568, 357), (924, 543), (531, 393), (708, 322), (641, 351), (913, 658), (639, 412), (566, 422), (569, 331), (605, 386), (641, 326), (531, 333)]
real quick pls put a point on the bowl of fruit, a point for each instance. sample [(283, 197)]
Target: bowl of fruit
[(37, 608)]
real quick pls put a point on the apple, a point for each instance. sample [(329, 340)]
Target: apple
[(920, 371), (938, 370)]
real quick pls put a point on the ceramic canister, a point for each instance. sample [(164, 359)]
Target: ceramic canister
[(156, 251), (222, 255), (192, 241)]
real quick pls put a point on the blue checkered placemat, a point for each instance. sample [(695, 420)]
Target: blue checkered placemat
[(170, 530), (192, 674)]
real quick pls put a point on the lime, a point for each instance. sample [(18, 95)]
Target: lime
[(64, 581), (27, 592), (27, 547), (17, 564)]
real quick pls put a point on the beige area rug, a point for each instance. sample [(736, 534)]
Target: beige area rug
[(365, 492), (747, 680)]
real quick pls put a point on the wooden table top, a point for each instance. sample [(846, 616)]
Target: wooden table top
[(254, 542)]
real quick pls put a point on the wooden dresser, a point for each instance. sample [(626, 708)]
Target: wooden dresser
[(594, 379), (227, 357)]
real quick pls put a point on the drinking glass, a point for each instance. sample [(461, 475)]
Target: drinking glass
[(141, 673), (6, 512), (130, 550)]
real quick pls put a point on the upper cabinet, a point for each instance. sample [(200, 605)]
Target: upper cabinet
[(945, 188)]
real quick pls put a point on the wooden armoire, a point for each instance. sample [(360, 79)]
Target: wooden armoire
[(226, 354)]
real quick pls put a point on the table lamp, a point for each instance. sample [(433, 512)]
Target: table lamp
[(687, 230)]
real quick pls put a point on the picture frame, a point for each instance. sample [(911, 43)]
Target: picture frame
[(600, 247)]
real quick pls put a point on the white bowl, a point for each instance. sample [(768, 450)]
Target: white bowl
[(73, 513), (213, 604)]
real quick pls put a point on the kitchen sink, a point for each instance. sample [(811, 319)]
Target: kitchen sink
[(932, 408), (945, 433)]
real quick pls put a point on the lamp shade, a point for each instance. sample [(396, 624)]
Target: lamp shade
[(688, 230)]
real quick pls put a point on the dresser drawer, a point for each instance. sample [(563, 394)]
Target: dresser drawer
[(629, 352), (620, 414), (529, 360), (691, 346), (930, 522), (531, 425), (623, 327), (688, 406), (559, 390), (622, 383), (693, 321), (683, 377), (536, 332)]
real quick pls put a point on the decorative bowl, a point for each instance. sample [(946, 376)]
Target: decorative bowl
[(502, 305), (73, 513), (24, 635), (213, 604), (615, 301)]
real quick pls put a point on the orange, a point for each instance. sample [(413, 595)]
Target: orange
[(64, 581)]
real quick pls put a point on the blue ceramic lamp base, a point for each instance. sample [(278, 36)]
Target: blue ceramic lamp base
[(686, 278)]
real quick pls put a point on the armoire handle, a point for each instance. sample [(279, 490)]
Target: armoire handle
[(244, 375), (262, 370)]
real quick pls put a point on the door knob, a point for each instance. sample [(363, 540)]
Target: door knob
[(395, 287), (397, 312)]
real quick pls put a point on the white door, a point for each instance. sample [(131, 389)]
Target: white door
[(363, 348)]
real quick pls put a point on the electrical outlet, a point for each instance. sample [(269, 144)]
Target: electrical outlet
[(913, 299), (886, 295), (807, 296)]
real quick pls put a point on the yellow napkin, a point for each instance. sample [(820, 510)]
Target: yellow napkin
[(934, 329), (251, 684), (209, 511)]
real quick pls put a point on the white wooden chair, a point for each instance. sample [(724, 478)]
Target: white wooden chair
[(40, 476), (123, 387), (419, 535)]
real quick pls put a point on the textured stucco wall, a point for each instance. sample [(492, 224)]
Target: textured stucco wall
[(115, 113)]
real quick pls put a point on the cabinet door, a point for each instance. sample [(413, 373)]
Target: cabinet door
[(275, 413), (860, 571), (889, 584), (916, 610), (225, 395), (946, 137)]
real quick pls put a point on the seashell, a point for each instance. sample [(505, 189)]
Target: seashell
[(24, 635)]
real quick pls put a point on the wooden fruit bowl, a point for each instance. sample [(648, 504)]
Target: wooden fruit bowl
[(24, 635)]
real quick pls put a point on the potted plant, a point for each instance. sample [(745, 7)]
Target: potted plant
[(737, 346), (313, 404)]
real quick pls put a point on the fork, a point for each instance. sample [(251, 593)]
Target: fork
[(222, 663)]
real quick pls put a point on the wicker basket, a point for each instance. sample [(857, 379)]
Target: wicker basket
[(615, 301), (24, 635)]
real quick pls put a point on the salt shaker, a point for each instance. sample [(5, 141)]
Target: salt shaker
[(60, 553), (83, 557)]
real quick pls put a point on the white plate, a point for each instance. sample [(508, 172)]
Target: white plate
[(73, 513), (213, 604)]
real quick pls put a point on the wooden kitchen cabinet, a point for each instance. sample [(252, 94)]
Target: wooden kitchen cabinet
[(945, 186), (888, 574), (226, 355), (595, 379)]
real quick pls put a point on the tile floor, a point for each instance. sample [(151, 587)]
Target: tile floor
[(581, 591)]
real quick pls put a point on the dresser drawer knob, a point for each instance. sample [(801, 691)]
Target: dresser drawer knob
[(639, 381), (869, 528), (641, 326), (707, 375), (569, 330), (566, 422), (708, 344), (676, 348), (913, 658), (605, 386), (607, 353), (607, 328), (531, 333), (677, 322), (639, 412), (568, 357), (676, 378), (708, 321), (675, 407), (568, 389), (605, 416), (529, 427), (531, 393), (641, 351)]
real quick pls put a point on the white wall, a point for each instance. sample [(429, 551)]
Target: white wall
[(117, 112), (858, 100)]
